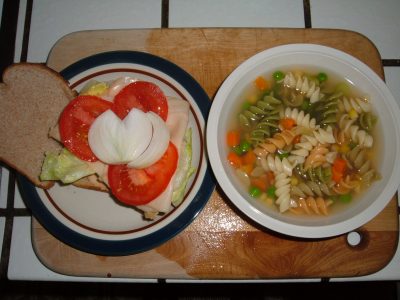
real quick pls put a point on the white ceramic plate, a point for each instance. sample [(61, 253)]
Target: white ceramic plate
[(336, 62), (92, 221)]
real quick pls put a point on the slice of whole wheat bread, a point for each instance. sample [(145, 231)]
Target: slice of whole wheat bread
[(32, 97)]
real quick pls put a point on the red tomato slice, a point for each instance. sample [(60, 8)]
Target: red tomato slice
[(75, 121), (140, 186), (142, 95)]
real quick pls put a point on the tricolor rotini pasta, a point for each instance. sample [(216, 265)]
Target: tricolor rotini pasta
[(346, 104), (303, 85), (311, 205), (300, 117), (304, 144)]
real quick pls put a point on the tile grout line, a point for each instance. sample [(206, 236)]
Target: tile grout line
[(164, 13), (391, 62), (27, 27), (8, 31), (307, 14), (6, 247)]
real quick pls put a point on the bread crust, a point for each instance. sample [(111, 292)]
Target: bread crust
[(32, 97)]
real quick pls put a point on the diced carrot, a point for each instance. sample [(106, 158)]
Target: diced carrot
[(270, 177), (247, 168), (336, 175), (249, 158), (260, 182), (234, 159), (233, 138), (338, 169), (339, 165), (261, 83), (287, 123)]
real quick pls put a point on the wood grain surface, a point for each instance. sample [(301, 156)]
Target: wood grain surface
[(222, 243)]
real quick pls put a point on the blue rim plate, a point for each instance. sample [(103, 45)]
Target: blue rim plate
[(92, 221)]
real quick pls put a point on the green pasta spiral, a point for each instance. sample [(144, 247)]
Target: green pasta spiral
[(362, 165), (318, 174), (367, 121), (261, 119), (325, 111)]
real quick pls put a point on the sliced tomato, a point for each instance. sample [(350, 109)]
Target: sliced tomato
[(139, 186), (75, 121), (142, 95)]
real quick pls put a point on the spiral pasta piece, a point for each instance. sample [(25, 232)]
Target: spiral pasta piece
[(282, 184), (273, 163), (358, 135), (359, 105), (303, 85), (316, 157), (367, 120), (324, 136), (310, 188), (302, 149), (264, 129), (319, 174), (347, 185), (262, 118), (360, 162), (325, 111), (301, 118), (308, 142), (278, 141), (311, 205)]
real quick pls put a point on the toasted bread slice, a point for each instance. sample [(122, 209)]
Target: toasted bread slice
[(32, 96)]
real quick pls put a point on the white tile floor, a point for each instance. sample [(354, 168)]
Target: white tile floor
[(392, 75), (236, 13), (378, 20), (3, 187), (53, 19)]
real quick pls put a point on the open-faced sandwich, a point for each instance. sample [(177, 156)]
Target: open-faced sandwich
[(125, 137)]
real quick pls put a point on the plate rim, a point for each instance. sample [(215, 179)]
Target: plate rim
[(134, 245)]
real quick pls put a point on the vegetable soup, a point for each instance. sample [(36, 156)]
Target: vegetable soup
[(303, 141)]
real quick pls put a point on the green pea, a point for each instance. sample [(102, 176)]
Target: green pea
[(246, 105), (271, 191), (245, 146), (254, 192), (278, 75), (345, 198), (322, 77)]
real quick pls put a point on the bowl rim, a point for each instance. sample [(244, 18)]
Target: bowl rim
[(265, 220)]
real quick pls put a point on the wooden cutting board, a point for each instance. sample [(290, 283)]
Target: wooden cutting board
[(222, 243)]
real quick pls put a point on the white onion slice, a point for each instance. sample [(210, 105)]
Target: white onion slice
[(116, 141), (158, 145)]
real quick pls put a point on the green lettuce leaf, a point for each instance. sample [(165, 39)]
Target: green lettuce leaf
[(64, 166), (185, 169)]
